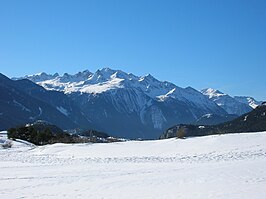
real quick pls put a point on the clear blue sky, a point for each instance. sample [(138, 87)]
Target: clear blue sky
[(200, 43)]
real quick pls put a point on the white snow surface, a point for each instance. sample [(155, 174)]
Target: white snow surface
[(63, 110), (21, 106), (221, 166), (211, 93)]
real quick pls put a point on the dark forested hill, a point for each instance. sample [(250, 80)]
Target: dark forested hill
[(254, 121)]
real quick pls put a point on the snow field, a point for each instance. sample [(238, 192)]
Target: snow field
[(221, 166)]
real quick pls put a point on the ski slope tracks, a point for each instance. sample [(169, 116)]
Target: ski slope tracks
[(221, 166)]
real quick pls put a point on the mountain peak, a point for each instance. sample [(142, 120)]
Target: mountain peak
[(230, 104), (210, 92), (149, 75), (189, 88), (85, 73), (248, 100), (107, 69), (147, 78), (39, 77)]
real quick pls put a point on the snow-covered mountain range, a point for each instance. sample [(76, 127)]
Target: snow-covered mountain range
[(136, 106), (106, 79), (126, 105)]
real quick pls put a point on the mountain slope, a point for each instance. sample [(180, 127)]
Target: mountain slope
[(248, 101), (56, 99), (228, 103), (23, 101)]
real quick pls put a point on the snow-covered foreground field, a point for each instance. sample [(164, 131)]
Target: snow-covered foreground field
[(225, 166)]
